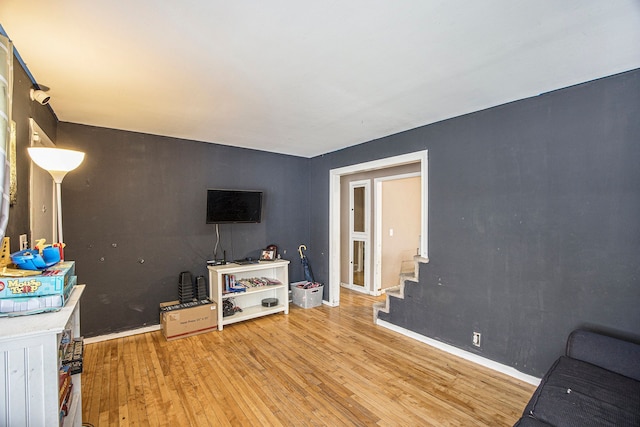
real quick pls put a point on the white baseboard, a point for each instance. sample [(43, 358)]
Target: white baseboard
[(482, 361), (329, 303), (123, 334)]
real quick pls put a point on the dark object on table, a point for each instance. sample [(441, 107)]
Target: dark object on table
[(185, 287), (200, 291), (270, 302)]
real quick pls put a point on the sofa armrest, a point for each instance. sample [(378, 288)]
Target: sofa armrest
[(613, 354)]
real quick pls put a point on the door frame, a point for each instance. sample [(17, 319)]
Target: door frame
[(334, 210), (378, 200)]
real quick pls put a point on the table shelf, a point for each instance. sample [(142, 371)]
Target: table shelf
[(30, 366), (250, 301)]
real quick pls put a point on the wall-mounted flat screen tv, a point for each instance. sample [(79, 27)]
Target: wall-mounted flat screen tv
[(233, 206)]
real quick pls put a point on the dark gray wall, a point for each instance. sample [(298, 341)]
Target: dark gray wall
[(534, 210), (23, 109), (534, 222), (134, 217)]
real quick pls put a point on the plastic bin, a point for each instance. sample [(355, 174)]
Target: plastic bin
[(306, 298)]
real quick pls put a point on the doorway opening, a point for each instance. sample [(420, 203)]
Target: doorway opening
[(359, 247), (397, 228)]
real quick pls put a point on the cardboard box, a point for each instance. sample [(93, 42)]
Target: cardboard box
[(52, 281), (184, 322), (306, 298)]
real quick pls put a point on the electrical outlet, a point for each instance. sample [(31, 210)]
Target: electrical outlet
[(476, 339), (24, 244)]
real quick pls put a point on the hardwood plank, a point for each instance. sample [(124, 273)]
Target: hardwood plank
[(165, 409), (126, 381), (91, 400), (313, 367), (103, 399)]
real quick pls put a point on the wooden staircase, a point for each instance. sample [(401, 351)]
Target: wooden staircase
[(409, 271)]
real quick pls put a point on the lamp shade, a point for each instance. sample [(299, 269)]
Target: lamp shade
[(56, 161)]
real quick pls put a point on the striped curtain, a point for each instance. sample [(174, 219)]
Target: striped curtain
[(6, 89)]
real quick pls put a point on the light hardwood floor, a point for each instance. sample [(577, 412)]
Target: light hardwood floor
[(316, 367)]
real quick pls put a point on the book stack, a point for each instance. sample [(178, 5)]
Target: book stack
[(71, 353), (231, 285), (72, 357), (66, 389), (256, 282)]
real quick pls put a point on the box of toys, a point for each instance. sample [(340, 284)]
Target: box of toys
[(37, 303), (51, 281)]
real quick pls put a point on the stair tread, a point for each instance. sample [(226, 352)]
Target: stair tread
[(398, 291)]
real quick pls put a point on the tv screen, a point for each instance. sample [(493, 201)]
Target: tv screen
[(233, 206)]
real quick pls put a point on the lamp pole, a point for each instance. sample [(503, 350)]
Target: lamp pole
[(59, 237)]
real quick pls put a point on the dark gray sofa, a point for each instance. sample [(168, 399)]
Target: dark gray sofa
[(597, 383)]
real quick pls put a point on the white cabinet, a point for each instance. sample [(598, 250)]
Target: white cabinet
[(250, 301), (29, 369)]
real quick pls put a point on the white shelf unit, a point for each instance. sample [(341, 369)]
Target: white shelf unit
[(29, 370), (250, 301)]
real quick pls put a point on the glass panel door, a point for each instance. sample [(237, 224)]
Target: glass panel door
[(358, 264), (359, 250)]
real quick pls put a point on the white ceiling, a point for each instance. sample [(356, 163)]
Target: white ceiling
[(309, 77)]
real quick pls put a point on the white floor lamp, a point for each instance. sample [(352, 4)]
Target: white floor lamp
[(57, 162)]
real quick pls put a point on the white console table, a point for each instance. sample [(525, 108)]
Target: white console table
[(29, 369), (250, 301)]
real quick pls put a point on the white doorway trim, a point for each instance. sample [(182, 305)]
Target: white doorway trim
[(377, 254), (334, 210)]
